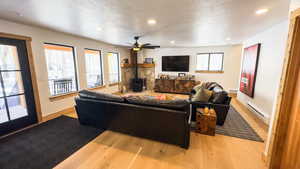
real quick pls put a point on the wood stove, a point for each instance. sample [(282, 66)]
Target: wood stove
[(137, 84)]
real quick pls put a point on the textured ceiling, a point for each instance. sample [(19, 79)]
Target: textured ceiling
[(187, 22)]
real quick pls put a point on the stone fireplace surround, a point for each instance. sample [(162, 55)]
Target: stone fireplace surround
[(128, 73)]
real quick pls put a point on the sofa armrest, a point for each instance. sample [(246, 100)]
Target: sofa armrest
[(201, 104), (190, 96)]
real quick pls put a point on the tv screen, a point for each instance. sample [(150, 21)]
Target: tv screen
[(175, 63)]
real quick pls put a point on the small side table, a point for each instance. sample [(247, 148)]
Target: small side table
[(206, 121)]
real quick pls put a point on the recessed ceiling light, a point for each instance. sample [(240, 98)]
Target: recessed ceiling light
[(262, 11), (151, 21), (172, 41), (228, 38), (99, 29)]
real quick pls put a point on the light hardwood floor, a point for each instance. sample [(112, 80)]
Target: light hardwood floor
[(112, 150)]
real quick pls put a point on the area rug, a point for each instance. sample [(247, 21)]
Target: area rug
[(45, 145), (236, 126)]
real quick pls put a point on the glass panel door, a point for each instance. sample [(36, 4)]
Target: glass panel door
[(17, 108)]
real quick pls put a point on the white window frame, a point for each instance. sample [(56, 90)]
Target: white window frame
[(101, 64), (208, 64), (119, 69)]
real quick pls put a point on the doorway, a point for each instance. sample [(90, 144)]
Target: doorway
[(17, 102), (284, 150)]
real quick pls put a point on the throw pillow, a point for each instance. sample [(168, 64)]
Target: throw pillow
[(212, 85), (203, 95), (207, 84), (198, 87)]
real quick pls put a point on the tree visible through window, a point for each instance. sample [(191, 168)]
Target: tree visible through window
[(93, 63), (113, 62), (210, 62), (61, 69), (12, 94)]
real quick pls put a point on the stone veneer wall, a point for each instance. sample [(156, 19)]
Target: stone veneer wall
[(128, 73), (149, 74)]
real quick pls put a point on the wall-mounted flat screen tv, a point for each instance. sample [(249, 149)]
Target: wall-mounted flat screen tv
[(175, 63)]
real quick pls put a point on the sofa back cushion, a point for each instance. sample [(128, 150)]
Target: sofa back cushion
[(176, 104), (219, 97), (100, 96)]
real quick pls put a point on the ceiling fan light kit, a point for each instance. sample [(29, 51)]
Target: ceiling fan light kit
[(136, 49)]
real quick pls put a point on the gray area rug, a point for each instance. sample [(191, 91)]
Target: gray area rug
[(236, 126)]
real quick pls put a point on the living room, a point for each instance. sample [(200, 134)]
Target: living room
[(148, 92)]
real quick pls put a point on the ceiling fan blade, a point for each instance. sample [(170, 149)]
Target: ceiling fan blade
[(136, 46), (146, 44), (151, 47)]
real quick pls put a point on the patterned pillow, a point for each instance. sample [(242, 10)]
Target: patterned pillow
[(212, 85)]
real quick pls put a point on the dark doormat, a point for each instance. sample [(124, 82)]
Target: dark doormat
[(236, 126), (46, 145)]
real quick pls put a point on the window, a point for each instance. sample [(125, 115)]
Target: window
[(113, 62), (210, 62), (61, 69), (93, 63)]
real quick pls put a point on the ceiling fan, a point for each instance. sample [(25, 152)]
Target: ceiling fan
[(137, 47)]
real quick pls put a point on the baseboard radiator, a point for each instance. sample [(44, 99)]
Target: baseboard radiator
[(255, 110), (258, 113), (234, 91)]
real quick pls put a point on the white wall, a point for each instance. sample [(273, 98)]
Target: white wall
[(39, 36), (269, 70), (232, 59), (294, 4)]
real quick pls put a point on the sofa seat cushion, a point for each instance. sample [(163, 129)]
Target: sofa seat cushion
[(176, 104), (100, 96)]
